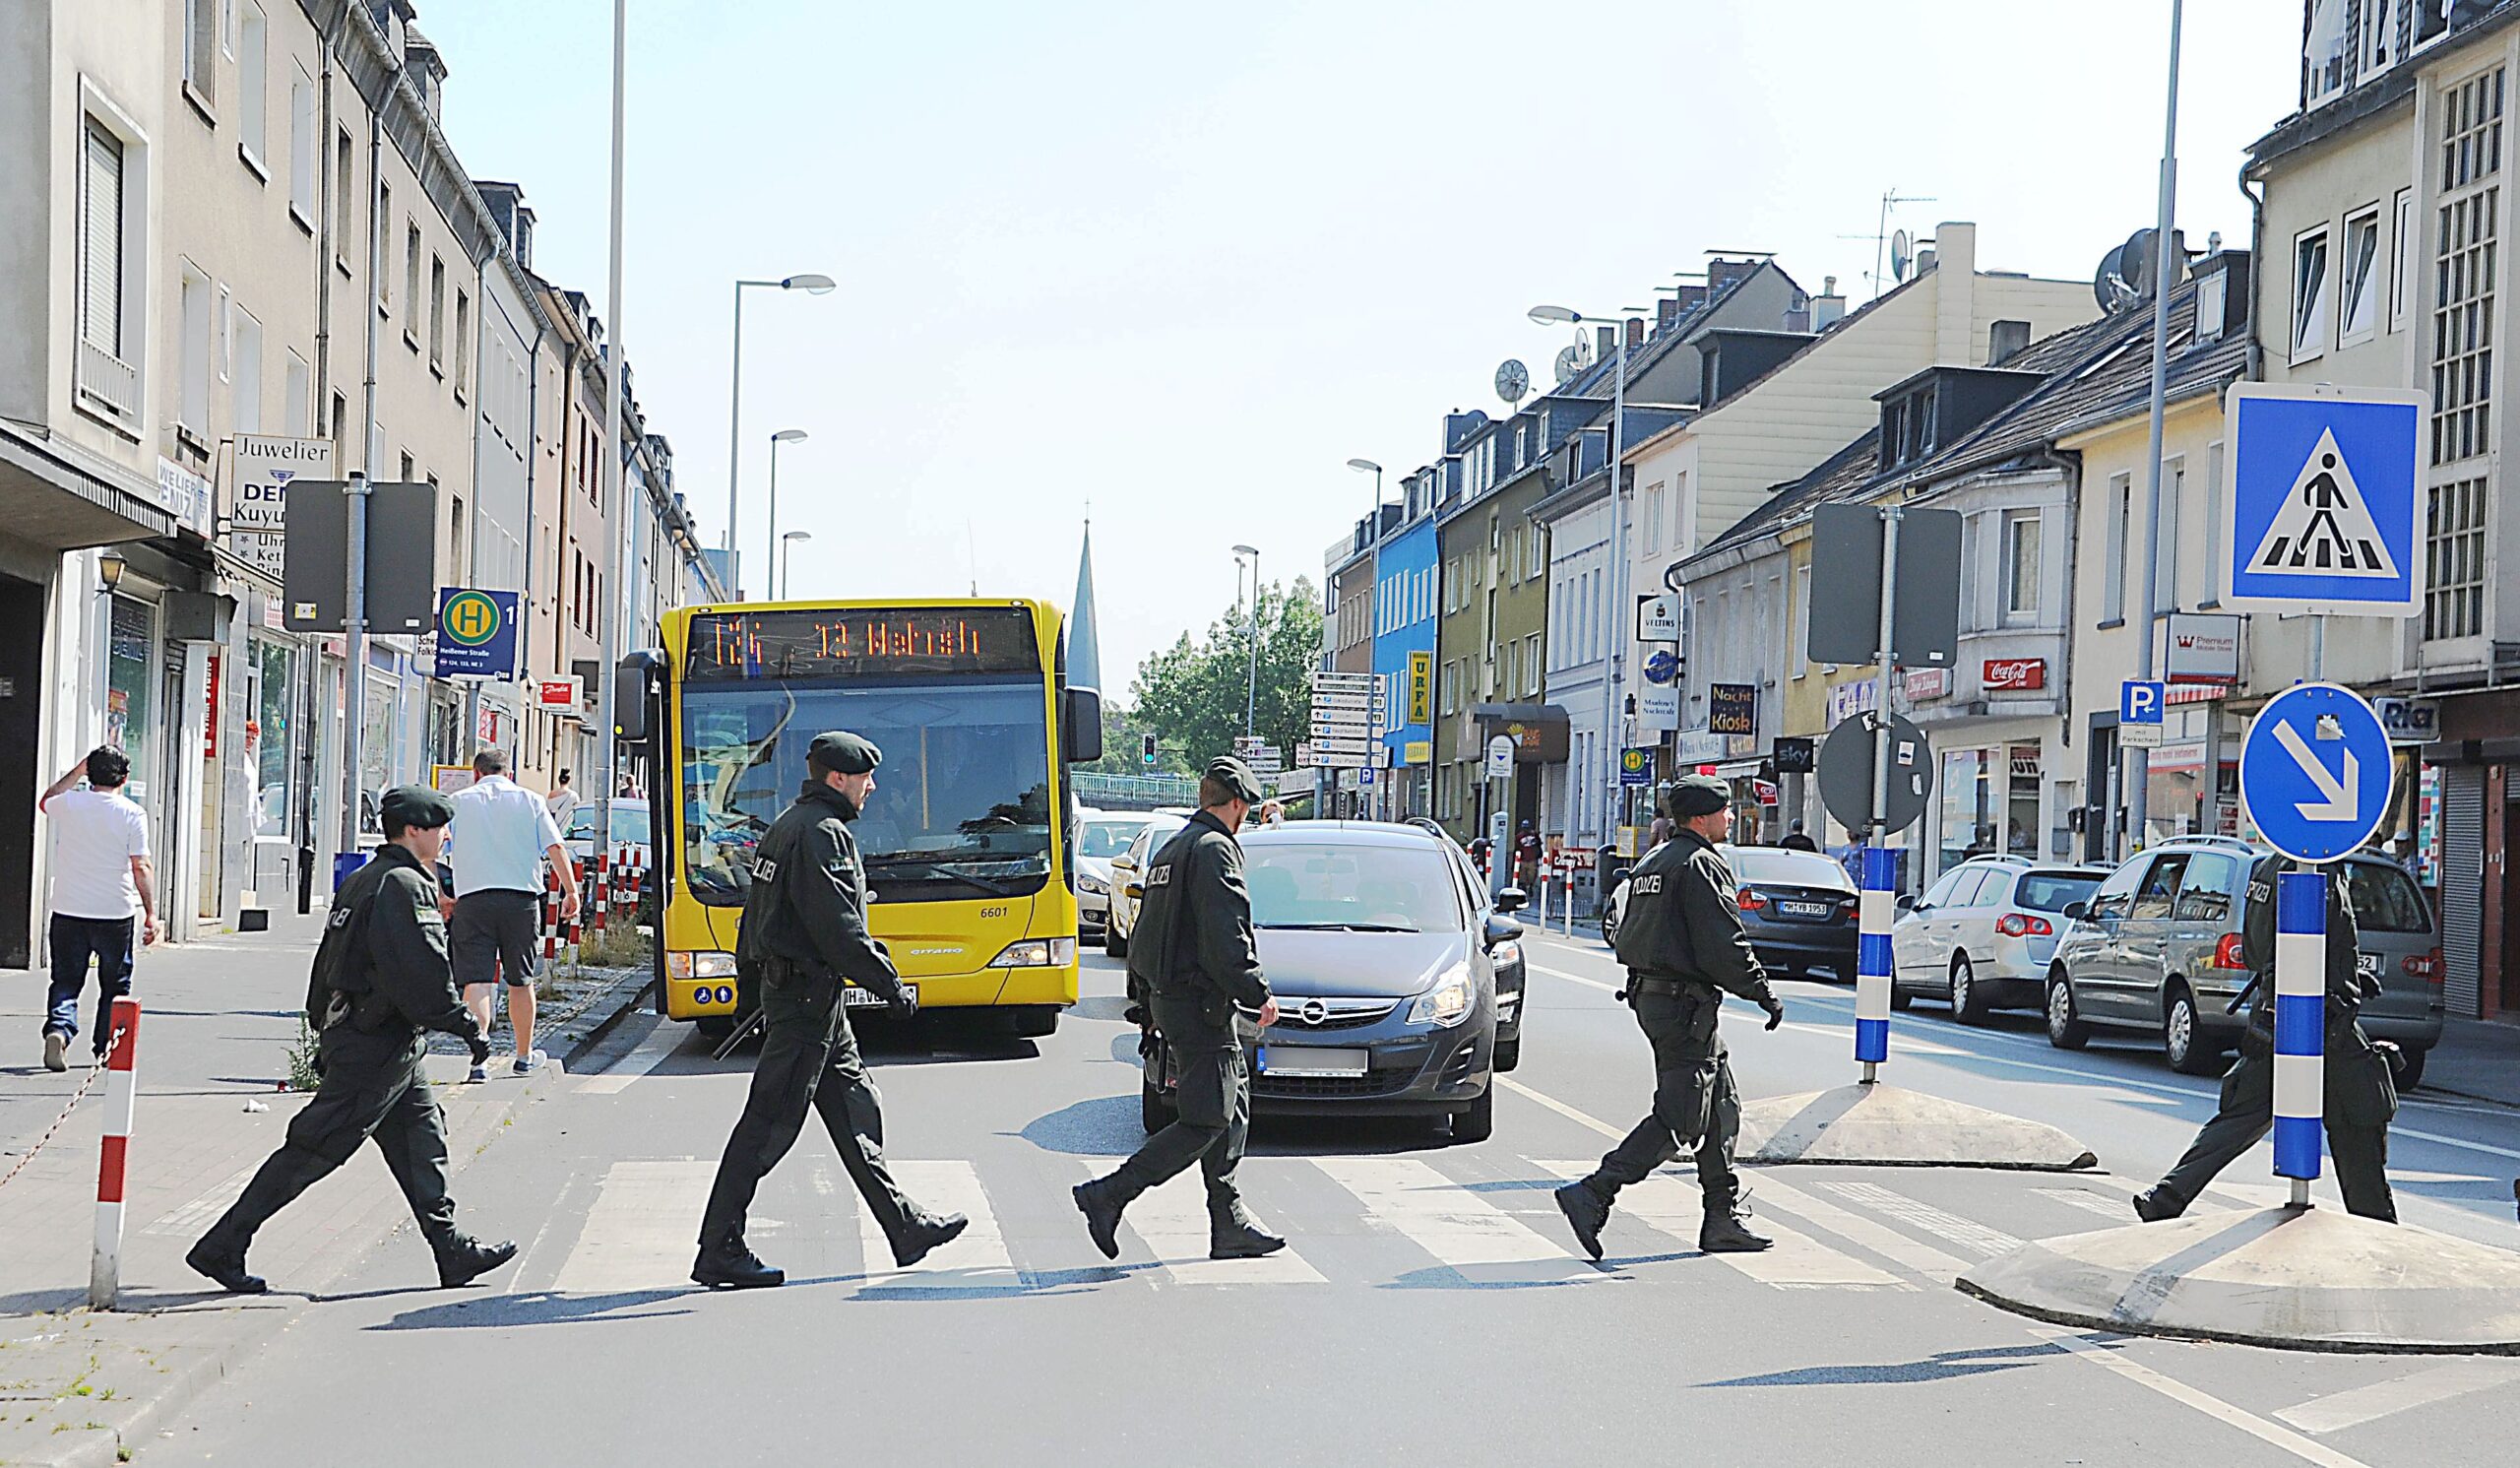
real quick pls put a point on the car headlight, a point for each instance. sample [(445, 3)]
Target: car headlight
[(1088, 882), (1507, 953), (700, 966), (1448, 1003), (1036, 953)]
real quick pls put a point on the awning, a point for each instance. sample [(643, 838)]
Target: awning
[(1519, 713), (61, 498)]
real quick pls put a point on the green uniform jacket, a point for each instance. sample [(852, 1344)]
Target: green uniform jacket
[(384, 949), (1193, 935), (806, 905), (1683, 921), (2345, 990)]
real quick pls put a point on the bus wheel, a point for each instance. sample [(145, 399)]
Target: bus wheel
[(1034, 1020), (716, 1026)]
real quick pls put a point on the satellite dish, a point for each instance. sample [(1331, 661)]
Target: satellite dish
[(2113, 284), (2142, 260), (1513, 379), (1903, 253), (1571, 362)]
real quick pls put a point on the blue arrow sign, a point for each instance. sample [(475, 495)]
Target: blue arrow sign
[(2315, 772), (2325, 500)]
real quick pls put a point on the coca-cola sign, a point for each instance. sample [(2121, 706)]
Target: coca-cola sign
[(2015, 674)]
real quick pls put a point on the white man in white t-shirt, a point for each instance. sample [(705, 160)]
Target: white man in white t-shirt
[(504, 833), (101, 880)]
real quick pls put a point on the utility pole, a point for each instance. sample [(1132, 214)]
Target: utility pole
[(2166, 251), (608, 648)]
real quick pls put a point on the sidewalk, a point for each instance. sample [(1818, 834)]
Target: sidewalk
[(2477, 1059), (219, 1018)]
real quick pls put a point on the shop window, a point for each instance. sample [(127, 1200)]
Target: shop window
[(129, 639)]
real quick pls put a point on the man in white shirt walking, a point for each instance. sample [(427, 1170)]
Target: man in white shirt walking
[(100, 878), (503, 834)]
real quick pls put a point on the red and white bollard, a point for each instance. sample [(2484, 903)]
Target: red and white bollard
[(105, 1274)]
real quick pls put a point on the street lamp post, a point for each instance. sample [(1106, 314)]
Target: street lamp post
[(1615, 644), (811, 284), (783, 435), (785, 541), (2139, 813), (1252, 695)]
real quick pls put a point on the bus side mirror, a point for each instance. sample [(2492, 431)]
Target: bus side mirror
[(1081, 726), (633, 686)]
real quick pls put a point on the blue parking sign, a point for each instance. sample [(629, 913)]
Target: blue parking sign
[(2324, 504), (2315, 772), (2141, 702)]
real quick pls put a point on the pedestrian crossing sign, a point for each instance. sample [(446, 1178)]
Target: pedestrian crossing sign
[(2324, 501)]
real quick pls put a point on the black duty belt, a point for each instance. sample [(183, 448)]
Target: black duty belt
[(1669, 989)]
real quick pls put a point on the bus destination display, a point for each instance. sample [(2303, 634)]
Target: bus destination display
[(868, 641)]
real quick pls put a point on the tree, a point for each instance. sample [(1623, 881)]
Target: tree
[(1192, 695)]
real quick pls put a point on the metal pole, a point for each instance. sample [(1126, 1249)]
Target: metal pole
[(608, 645), (355, 659), (2139, 783), (1875, 909), (774, 579), (1622, 625), (734, 433), (1252, 695), (2301, 1025)]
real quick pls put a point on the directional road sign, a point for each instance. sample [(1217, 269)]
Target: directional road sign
[(2325, 502), (2139, 714), (2315, 772)]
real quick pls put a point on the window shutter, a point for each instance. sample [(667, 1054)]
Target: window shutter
[(100, 241)]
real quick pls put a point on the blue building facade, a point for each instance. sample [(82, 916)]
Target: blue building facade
[(1406, 589)]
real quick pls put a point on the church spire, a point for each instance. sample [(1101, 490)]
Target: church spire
[(1083, 650)]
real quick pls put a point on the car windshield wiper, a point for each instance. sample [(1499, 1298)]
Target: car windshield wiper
[(1344, 927), (940, 869)]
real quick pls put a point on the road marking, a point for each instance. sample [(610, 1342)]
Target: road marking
[(1172, 1222), (639, 1234), (1674, 1206), (1405, 1196), (1967, 1233), (653, 1050), (2092, 1348), (2089, 1202), (1537, 967), (977, 1260), (197, 1215), (2347, 1409)]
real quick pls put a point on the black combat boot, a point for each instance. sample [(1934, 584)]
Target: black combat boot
[(732, 1266), (462, 1258), (1231, 1235), (1724, 1233), (924, 1234), (225, 1268), (1101, 1201), (2158, 1204), (1586, 1212)]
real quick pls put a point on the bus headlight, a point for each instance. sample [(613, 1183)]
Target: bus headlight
[(1448, 1003), (700, 966), (1036, 953)]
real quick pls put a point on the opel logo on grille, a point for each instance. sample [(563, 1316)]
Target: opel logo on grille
[(1314, 1012)]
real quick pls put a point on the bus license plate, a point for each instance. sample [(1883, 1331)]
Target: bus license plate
[(1311, 1060), (854, 998)]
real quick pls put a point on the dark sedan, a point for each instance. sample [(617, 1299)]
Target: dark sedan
[(1798, 908)]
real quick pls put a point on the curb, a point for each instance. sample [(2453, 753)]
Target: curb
[(597, 1032)]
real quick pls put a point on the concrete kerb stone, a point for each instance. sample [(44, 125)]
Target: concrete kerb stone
[(2300, 1279), (1880, 1126)]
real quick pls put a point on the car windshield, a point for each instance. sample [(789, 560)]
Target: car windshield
[(1759, 863), (1361, 888), (1099, 838), (2051, 891), (629, 823), (2386, 898), (961, 802)]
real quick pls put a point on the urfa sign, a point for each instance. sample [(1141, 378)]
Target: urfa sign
[(2016, 673)]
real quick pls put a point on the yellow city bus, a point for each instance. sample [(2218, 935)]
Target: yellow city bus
[(967, 839)]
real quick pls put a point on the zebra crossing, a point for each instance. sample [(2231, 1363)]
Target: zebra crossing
[(1354, 1220)]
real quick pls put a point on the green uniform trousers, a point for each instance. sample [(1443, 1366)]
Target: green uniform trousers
[(1695, 1103), (2360, 1099), (373, 1088)]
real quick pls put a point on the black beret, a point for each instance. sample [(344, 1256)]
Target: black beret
[(1693, 796), (844, 753), (1236, 777), (409, 806)]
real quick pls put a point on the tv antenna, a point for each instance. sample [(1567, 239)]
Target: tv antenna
[(1890, 199)]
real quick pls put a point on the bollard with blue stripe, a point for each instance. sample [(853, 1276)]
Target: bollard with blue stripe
[(1877, 909), (2301, 1023)]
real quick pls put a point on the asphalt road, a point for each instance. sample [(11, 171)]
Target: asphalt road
[(1432, 1306)]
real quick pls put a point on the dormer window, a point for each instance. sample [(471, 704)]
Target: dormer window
[(2326, 53)]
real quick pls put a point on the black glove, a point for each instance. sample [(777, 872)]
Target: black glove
[(903, 1002), (480, 1049), (1776, 1011)]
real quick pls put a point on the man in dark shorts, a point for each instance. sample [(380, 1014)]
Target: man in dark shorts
[(503, 834)]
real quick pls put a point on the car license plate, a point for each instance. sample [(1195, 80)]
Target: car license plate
[(854, 998), (1805, 908), (1311, 1060)]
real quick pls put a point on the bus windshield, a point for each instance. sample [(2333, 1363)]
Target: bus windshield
[(961, 802)]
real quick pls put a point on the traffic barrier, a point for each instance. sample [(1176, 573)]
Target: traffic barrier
[(105, 1274), (1877, 908), (2301, 1024)]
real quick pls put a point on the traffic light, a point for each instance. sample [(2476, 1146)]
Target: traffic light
[(1145, 751)]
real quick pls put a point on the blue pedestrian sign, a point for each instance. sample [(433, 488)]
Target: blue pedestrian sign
[(2325, 501), (2315, 772), (2140, 702)]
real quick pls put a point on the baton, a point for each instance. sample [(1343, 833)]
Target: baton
[(728, 1046)]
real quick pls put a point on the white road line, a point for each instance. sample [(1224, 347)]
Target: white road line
[(639, 1234), (2093, 1348), (2380, 1400), (1967, 1233), (1172, 1222), (1405, 1196), (1607, 989), (197, 1215), (2089, 1202), (977, 1260), (1904, 1041), (1674, 1206), (651, 1052)]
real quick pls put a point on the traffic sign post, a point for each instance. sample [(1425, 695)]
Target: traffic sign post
[(2300, 1026)]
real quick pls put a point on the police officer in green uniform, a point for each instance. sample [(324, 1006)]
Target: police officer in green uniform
[(381, 982), (1192, 953), (804, 931), (2360, 1095), (1684, 948)]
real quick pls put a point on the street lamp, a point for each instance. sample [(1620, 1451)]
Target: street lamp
[(783, 435), (811, 284), (1252, 695), (785, 540), (1615, 646)]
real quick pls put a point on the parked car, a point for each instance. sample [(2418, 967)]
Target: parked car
[(630, 828), (1983, 936), (2157, 948), (1798, 908), (1120, 914), (1100, 835), (1389, 962)]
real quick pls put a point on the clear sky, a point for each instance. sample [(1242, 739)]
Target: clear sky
[(1184, 260)]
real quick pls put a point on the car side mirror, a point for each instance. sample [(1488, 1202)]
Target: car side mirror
[(1500, 929), (2075, 911), (1512, 900), (1908, 904), (1124, 863)]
